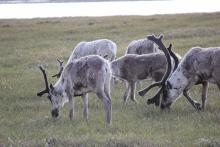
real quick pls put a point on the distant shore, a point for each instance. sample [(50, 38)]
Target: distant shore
[(62, 1), (107, 8)]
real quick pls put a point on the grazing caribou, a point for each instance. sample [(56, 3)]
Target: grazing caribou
[(199, 66), (102, 47), (132, 68), (79, 77)]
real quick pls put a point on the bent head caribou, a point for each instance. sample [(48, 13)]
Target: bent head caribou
[(79, 77), (199, 66)]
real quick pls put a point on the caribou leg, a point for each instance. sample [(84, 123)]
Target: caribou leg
[(107, 104), (127, 91), (71, 108), (71, 104), (85, 106), (194, 103), (133, 89), (205, 86)]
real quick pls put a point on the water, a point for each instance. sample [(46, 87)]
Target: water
[(94, 9)]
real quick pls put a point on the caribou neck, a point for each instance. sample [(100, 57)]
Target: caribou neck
[(61, 84)]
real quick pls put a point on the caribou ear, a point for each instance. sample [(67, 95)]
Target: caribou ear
[(51, 87), (161, 37)]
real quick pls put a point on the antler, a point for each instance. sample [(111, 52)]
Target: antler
[(46, 83), (61, 69), (176, 60), (161, 83)]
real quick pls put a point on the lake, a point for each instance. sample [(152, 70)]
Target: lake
[(94, 9)]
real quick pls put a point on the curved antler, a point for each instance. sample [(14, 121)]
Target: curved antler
[(46, 83), (161, 83), (158, 41), (173, 55), (156, 98), (61, 69)]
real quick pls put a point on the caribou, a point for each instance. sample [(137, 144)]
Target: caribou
[(91, 73), (142, 46), (199, 66), (102, 47), (132, 68)]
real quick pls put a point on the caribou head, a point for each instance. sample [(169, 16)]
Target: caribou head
[(163, 83), (55, 96)]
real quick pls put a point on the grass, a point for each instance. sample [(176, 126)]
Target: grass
[(25, 119)]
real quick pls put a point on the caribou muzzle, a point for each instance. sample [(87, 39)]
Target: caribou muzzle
[(55, 113)]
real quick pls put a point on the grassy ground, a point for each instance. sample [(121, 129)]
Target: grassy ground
[(25, 119)]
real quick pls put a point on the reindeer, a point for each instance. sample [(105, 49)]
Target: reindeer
[(102, 47), (79, 77), (199, 66), (142, 46), (139, 47), (132, 68)]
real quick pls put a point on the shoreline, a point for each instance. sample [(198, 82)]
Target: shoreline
[(69, 1), (100, 9)]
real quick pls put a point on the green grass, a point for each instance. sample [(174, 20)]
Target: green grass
[(25, 119)]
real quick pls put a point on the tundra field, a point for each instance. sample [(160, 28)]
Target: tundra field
[(25, 119)]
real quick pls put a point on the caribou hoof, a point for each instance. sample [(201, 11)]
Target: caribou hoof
[(157, 102), (198, 106), (151, 101), (141, 93)]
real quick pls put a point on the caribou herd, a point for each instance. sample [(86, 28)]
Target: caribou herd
[(92, 65)]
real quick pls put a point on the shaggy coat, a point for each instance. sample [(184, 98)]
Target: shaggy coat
[(103, 47), (132, 68), (142, 46), (79, 77), (199, 66)]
